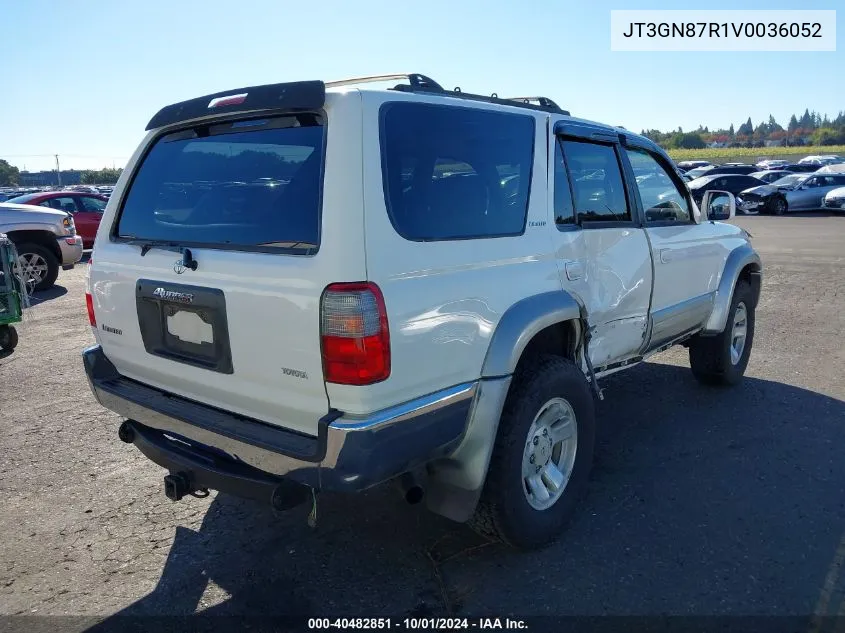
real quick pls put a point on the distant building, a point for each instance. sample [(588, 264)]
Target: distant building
[(777, 143), (718, 144), (49, 178)]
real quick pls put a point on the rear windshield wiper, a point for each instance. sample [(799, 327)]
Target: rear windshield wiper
[(188, 260), (292, 245), (148, 245)]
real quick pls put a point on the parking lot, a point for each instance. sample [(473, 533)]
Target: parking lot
[(703, 501)]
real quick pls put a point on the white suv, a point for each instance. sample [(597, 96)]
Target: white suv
[(315, 286)]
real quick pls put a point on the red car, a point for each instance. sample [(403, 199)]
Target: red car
[(87, 209)]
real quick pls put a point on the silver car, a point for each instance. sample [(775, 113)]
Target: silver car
[(835, 199), (809, 192)]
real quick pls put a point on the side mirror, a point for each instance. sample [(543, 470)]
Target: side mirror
[(719, 205)]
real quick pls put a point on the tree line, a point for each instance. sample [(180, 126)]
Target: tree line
[(10, 176), (104, 176), (811, 128)]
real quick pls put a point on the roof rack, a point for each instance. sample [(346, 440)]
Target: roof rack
[(541, 101), (420, 83), (416, 80)]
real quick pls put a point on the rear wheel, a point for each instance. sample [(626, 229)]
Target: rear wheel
[(722, 359), (8, 338), (541, 458), (38, 266), (779, 205)]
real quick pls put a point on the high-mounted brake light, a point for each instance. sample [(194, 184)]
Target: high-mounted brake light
[(89, 300), (355, 338), (229, 100)]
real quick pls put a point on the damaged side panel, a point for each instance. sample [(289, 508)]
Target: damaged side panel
[(614, 287)]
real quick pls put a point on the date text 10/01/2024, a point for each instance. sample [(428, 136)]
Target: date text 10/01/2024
[(415, 624)]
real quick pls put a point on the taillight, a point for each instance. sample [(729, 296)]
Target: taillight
[(89, 300), (354, 335)]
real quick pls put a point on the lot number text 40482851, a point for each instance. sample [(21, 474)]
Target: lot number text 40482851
[(417, 624)]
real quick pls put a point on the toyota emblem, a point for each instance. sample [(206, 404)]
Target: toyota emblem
[(179, 267)]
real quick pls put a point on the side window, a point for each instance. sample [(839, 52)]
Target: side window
[(93, 204), (455, 173), (564, 210), (597, 186), (62, 204), (662, 199), (812, 182)]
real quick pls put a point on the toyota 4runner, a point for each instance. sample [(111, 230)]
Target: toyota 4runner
[(320, 286)]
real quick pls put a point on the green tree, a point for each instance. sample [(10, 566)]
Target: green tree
[(793, 124), (9, 174), (806, 121), (105, 176), (827, 136), (746, 129), (689, 140)]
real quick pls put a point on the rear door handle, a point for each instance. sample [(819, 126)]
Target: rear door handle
[(574, 270), (665, 255)]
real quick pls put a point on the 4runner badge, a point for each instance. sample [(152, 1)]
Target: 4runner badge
[(172, 295)]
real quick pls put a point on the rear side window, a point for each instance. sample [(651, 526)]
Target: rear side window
[(455, 173), (241, 185), (597, 183), (564, 211)]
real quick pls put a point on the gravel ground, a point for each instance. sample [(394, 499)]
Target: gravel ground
[(703, 501)]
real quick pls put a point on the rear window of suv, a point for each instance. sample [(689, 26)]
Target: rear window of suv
[(455, 173), (253, 185)]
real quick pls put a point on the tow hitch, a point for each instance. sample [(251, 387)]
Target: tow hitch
[(193, 470), (177, 485)]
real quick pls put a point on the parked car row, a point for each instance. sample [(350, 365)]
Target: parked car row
[(7, 193), (86, 209), (772, 186)]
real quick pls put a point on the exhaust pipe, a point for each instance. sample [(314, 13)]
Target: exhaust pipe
[(411, 488)]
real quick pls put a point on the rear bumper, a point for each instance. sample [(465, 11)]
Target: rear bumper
[(225, 451)]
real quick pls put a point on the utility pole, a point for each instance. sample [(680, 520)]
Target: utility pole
[(58, 171)]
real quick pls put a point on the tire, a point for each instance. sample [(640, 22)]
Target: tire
[(779, 205), (44, 260), (504, 511), (711, 358), (8, 338)]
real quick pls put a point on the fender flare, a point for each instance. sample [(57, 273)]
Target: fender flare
[(455, 482), (737, 260), (520, 323)]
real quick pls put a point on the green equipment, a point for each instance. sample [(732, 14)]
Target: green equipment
[(13, 295)]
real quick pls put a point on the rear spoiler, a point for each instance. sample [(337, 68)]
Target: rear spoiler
[(290, 97)]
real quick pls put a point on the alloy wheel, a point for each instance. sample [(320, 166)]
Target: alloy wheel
[(549, 454)]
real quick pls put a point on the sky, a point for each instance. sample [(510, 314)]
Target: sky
[(82, 79)]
